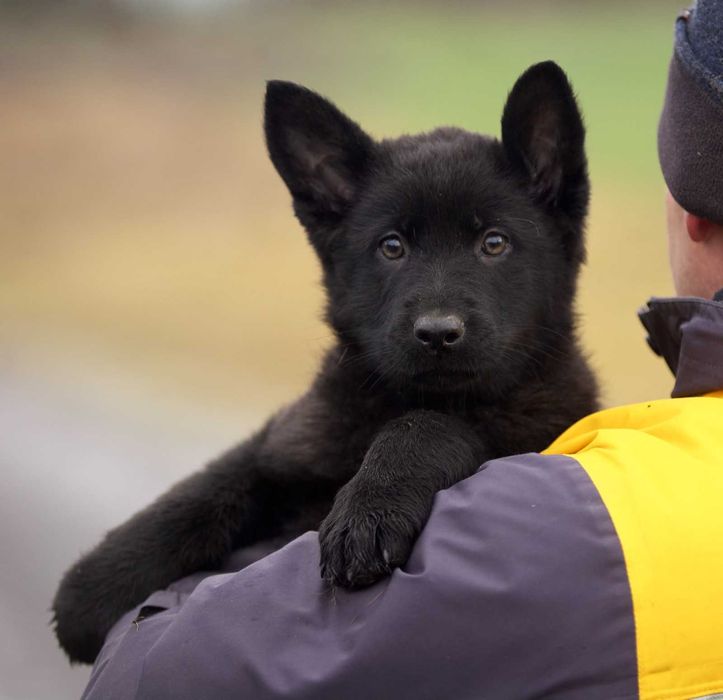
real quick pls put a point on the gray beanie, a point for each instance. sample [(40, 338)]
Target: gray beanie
[(690, 134)]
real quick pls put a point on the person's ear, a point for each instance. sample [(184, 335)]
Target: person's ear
[(699, 229)]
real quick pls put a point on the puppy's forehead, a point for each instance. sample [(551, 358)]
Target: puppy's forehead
[(445, 140), (448, 173)]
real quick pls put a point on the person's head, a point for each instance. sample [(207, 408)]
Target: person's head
[(690, 147)]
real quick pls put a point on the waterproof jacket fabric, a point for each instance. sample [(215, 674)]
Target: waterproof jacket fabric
[(591, 571)]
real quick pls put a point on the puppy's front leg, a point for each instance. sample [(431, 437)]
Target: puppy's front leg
[(378, 514)]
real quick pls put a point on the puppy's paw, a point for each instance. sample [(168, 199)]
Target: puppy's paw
[(79, 622), (362, 541), (91, 598)]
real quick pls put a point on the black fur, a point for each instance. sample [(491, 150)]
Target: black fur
[(446, 356)]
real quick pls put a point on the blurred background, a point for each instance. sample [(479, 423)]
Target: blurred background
[(157, 298)]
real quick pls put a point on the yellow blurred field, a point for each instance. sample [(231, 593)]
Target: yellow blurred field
[(142, 224)]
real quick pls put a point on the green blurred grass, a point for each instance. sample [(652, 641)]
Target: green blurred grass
[(144, 230), (422, 65)]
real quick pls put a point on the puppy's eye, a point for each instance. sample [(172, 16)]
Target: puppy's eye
[(392, 247), (494, 243)]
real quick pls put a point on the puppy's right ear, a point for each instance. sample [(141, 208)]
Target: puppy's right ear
[(320, 153)]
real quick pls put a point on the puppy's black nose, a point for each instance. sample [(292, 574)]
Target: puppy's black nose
[(435, 331)]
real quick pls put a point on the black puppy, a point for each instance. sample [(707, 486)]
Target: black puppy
[(450, 263)]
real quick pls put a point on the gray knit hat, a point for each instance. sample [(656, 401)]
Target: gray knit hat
[(690, 134)]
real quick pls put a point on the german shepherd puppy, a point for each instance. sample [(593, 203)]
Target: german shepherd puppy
[(450, 262)]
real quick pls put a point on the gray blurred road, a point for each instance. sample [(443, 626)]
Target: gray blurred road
[(77, 456)]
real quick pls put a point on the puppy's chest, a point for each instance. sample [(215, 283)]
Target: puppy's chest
[(330, 436)]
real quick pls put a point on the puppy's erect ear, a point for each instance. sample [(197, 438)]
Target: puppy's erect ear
[(320, 153), (544, 138)]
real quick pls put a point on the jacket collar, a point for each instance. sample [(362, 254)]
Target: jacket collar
[(688, 333)]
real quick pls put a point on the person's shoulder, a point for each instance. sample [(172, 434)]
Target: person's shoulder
[(526, 509), (520, 553)]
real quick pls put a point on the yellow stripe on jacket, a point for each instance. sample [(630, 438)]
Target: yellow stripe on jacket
[(658, 467)]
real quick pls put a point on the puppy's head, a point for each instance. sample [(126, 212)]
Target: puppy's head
[(450, 258)]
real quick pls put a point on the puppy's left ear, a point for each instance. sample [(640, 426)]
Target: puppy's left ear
[(320, 153), (544, 138)]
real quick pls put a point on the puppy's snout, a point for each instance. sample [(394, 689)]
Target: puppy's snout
[(437, 331)]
